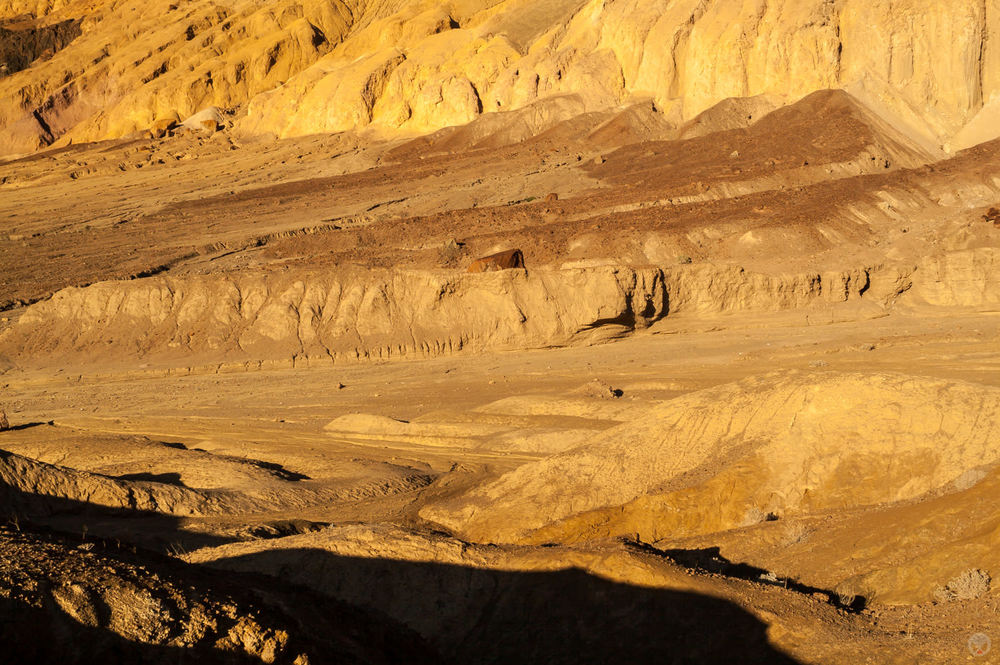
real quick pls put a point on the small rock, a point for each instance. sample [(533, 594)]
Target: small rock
[(451, 251), (599, 390), (4, 423)]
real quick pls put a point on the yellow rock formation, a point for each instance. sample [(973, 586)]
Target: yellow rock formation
[(304, 66)]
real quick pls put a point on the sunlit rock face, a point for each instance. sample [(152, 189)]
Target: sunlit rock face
[(300, 67)]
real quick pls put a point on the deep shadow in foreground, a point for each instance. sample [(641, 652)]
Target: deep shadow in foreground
[(466, 614), (75, 598), (475, 615), (71, 602)]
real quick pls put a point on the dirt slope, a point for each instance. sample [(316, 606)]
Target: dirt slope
[(711, 461)]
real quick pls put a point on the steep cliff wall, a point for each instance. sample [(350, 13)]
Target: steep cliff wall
[(928, 66), (413, 66)]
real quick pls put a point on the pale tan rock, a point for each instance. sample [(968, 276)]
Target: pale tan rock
[(597, 389), (699, 53), (206, 120)]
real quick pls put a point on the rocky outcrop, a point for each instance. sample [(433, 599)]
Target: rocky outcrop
[(508, 260), (135, 63), (310, 317), (20, 47), (35, 488), (967, 278)]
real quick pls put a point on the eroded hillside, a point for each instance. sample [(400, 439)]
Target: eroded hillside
[(737, 399)]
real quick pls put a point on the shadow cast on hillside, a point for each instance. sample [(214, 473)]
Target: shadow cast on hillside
[(170, 478), (77, 598), (154, 531), (467, 614), (710, 560), (61, 605), (24, 426), (475, 615)]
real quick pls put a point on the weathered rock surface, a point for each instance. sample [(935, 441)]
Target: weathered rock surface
[(934, 72), (136, 62), (218, 484)]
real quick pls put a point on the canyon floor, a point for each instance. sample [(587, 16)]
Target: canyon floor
[(741, 405)]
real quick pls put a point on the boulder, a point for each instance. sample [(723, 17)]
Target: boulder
[(512, 258), (207, 120)]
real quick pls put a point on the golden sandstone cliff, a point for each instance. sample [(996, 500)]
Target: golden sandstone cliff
[(407, 67)]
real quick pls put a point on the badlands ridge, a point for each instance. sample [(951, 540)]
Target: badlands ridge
[(740, 404)]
